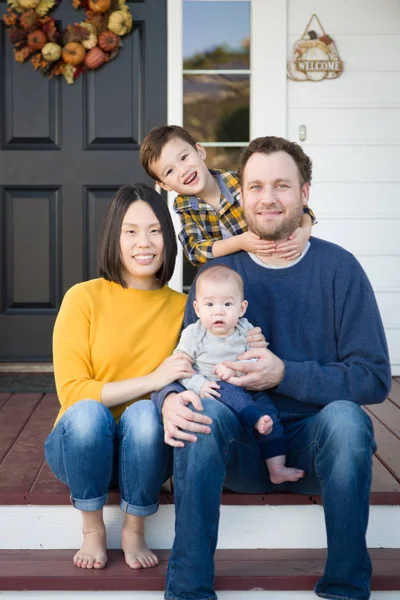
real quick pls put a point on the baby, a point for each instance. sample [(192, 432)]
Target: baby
[(218, 335)]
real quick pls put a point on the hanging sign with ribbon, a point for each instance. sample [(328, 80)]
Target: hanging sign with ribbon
[(314, 55)]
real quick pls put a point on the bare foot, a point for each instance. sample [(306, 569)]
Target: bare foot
[(137, 553), (282, 473), (264, 425), (93, 553)]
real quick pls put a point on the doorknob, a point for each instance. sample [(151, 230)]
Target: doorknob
[(302, 133)]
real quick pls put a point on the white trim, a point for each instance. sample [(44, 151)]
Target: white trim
[(175, 105), (268, 57)]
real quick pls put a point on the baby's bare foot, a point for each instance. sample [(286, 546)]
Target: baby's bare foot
[(282, 473), (93, 553), (264, 425), (137, 553)]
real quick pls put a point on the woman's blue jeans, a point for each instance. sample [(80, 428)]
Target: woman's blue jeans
[(88, 451), (334, 447)]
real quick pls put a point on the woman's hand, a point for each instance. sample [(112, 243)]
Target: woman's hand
[(179, 420), (174, 367), (255, 338)]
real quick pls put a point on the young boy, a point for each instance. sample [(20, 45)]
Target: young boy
[(208, 203), (218, 335)]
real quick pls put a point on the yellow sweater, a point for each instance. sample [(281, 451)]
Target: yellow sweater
[(106, 333)]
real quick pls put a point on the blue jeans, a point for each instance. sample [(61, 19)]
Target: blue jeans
[(87, 449), (334, 447)]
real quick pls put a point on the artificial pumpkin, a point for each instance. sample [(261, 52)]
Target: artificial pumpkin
[(51, 52), (95, 58), (73, 53), (99, 6), (91, 41), (36, 40), (27, 4), (29, 20), (108, 41), (120, 22)]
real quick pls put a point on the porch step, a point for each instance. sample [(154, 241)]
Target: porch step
[(240, 570), (241, 527)]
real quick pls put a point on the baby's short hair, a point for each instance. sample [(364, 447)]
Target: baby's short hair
[(221, 273), (155, 140)]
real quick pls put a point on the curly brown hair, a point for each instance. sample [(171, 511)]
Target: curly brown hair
[(272, 144)]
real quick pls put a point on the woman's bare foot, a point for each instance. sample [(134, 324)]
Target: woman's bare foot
[(281, 473), (93, 554), (137, 553), (264, 425)]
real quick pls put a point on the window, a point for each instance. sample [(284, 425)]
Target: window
[(216, 82)]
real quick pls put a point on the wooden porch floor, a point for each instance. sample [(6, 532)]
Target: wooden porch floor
[(26, 419)]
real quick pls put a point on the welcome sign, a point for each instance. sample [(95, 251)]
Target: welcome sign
[(314, 55)]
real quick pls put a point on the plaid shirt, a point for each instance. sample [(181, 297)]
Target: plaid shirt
[(201, 223)]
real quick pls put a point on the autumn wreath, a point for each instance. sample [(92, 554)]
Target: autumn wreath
[(86, 45)]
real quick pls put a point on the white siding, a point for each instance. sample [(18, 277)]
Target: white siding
[(353, 137)]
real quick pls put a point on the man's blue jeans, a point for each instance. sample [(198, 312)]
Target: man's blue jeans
[(334, 447), (87, 449)]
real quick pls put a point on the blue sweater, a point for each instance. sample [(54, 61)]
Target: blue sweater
[(321, 318)]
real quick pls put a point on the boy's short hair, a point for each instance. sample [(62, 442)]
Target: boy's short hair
[(272, 144), (220, 273), (155, 140)]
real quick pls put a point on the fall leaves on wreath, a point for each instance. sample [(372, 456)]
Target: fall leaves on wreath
[(80, 46)]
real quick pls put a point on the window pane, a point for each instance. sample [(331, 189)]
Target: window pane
[(226, 159), (216, 34), (216, 107)]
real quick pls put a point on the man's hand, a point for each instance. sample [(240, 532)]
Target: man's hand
[(179, 419), (255, 338), (264, 373), (209, 389)]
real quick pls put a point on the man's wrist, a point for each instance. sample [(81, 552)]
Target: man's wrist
[(280, 372)]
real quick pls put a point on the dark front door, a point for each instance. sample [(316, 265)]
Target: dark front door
[(64, 151)]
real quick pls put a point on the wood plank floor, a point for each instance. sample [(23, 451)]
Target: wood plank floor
[(234, 570), (26, 420)]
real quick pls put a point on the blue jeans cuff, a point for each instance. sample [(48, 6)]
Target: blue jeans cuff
[(89, 505), (138, 511)]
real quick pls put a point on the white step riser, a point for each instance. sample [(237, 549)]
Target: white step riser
[(50, 527), (251, 595)]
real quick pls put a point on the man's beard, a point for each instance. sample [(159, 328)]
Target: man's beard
[(275, 230)]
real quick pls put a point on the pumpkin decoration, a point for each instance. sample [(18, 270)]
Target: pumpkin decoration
[(73, 53), (120, 22), (99, 6), (108, 41), (36, 40), (95, 58), (29, 20), (27, 4), (37, 37), (51, 51)]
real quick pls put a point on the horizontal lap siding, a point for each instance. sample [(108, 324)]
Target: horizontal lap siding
[(353, 137)]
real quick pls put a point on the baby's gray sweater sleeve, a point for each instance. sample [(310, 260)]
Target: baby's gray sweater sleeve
[(188, 344)]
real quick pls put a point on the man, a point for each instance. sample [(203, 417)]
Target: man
[(327, 356)]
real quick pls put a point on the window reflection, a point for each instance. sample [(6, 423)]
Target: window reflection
[(216, 34), (216, 107), (226, 159)]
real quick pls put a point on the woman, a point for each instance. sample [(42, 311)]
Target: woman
[(112, 343)]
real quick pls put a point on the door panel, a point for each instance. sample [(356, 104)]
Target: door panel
[(64, 151)]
